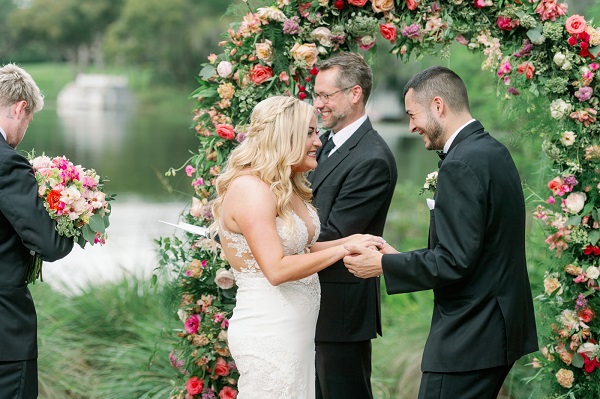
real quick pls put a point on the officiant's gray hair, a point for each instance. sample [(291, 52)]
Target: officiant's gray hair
[(438, 81), (353, 71), (18, 85)]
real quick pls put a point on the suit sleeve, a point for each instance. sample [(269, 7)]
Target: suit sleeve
[(362, 194), (459, 218), (24, 210)]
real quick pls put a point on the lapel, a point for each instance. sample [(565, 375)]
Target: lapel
[(468, 130), (326, 167)]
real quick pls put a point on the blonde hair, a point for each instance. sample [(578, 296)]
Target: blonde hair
[(275, 142), (17, 85)]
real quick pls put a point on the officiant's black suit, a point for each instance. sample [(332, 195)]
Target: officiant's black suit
[(483, 314), (352, 192), (25, 227)]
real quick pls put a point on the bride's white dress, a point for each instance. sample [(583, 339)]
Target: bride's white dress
[(271, 333)]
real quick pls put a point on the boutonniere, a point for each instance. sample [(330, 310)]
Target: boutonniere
[(430, 182)]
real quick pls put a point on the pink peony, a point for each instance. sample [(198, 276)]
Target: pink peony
[(575, 24), (221, 368), (227, 393), (192, 324)]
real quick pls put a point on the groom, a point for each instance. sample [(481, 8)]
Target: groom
[(26, 229), (483, 319)]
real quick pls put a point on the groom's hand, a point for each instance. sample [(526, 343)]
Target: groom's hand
[(363, 262)]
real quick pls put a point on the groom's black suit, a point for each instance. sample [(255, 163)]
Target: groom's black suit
[(25, 227), (352, 191), (483, 311)]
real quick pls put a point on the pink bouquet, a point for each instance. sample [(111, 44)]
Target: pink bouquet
[(73, 197)]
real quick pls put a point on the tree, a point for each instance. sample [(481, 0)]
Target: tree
[(74, 27), (6, 33)]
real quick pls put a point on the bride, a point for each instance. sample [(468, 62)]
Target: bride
[(268, 231)]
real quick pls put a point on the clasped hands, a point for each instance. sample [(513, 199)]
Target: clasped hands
[(364, 258)]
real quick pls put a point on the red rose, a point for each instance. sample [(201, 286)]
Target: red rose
[(225, 131), (227, 393), (339, 4), (302, 95), (572, 40), (388, 31), (194, 385), (411, 4), (221, 368), (506, 23), (53, 199), (260, 73), (357, 3), (586, 315)]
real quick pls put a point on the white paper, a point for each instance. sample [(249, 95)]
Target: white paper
[(430, 204), (202, 231)]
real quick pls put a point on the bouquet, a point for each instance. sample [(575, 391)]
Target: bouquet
[(73, 197)]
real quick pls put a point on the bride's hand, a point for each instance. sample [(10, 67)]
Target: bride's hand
[(368, 241)]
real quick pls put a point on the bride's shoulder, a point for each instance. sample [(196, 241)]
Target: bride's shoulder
[(248, 188)]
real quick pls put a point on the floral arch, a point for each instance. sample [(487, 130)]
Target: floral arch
[(532, 46)]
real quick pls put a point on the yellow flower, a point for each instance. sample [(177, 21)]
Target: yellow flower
[(264, 51), (306, 52)]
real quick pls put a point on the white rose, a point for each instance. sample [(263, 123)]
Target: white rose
[(589, 349), (575, 202), (592, 272), (224, 69), (567, 66), (323, 35), (567, 138), (224, 278), (559, 108), (270, 13), (182, 314), (559, 58)]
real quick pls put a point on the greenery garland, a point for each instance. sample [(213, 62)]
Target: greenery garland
[(536, 51)]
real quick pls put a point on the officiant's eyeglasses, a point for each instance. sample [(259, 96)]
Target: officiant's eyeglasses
[(325, 97)]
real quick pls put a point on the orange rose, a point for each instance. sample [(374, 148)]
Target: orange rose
[(260, 73), (357, 3), (382, 5), (53, 199), (306, 52), (575, 24), (225, 131), (388, 32), (411, 4)]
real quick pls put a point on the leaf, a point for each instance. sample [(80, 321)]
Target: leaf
[(207, 72), (88, 234), (573, 221), (588, 208), (594, 235), (577, 360), (97, 224), (534, 34)]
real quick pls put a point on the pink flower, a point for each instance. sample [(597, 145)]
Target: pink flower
[(225, 131), (506, 23), (479, 3), (284, 77), (227, 393), (260, 73), (189, 169), (411, 4), (357, 3), (194, 385), (551, 200), (575, 24), (198, 182), (221, 367), (526, 68), (192, 323), (388, 32), (584, 93), (549, 10)]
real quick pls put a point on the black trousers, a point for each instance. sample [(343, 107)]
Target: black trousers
[(476, 384), (19, 380), (343, 370)]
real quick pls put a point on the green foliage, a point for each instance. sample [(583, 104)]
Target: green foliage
[(107, 341)]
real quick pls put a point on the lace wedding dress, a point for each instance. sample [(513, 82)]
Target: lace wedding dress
[(271, 333)]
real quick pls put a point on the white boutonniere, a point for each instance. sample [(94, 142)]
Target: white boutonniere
[(430, 182)]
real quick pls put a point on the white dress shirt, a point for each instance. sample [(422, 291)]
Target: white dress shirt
[(343, 135)]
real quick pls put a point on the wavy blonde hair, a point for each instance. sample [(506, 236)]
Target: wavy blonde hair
[(275, 142)]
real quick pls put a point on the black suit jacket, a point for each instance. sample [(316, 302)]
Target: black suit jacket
[(483, 310), (25, 227), (352, 192)]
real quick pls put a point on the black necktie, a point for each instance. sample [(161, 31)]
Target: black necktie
[(326, 149), (442, 155)]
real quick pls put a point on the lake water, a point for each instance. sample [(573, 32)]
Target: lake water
[(134, 150)]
